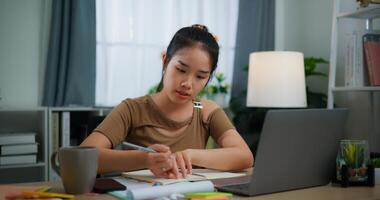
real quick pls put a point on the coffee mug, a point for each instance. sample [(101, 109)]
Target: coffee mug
[(77, 168)]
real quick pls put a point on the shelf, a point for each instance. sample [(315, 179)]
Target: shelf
[(69, 109), (357, 89), (23, 109), (39, 164), (363, 13)]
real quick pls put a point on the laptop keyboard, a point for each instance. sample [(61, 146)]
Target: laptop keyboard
[(241, 187)]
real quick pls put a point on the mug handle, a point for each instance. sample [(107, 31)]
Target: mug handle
[(55, 163)]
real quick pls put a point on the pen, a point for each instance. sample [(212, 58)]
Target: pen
[(30, 194), (43, 189), (137, 147)]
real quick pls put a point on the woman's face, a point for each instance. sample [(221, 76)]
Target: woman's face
[(186, 74)]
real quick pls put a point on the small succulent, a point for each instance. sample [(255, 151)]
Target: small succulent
[(353, 155)]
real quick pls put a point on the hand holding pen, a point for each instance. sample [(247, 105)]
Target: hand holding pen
[(159, 159), (177, 165)]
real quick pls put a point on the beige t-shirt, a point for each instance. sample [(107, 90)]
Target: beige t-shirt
[(136, 120)]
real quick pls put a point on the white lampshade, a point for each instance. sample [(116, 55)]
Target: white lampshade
[(276, 79)]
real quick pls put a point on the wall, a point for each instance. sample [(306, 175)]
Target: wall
[(23, 39), (301, 26), (305, 25)]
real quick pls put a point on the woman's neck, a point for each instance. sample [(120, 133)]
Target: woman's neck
[(173, 110)]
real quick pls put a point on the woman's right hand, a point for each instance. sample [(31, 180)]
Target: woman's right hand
[(160, 163)]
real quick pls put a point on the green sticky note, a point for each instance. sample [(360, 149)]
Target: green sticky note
[(207, 195)]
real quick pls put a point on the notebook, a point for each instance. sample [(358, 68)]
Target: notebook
[(137, 190), (198, 175)]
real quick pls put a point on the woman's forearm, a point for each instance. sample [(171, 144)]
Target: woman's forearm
[(110, 160), (232, 158), (118, 160)]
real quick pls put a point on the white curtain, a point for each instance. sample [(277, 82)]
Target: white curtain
[(131, 34)]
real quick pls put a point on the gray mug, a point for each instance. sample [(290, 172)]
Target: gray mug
[(77, 168)]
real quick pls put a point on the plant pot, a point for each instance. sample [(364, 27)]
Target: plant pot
[(377, 176), (220, 99), (357, 174)]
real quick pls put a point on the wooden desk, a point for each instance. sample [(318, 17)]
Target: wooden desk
[(327, 192)]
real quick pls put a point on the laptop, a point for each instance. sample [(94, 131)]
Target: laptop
[(297, 149)]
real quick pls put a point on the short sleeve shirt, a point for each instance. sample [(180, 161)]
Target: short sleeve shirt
[(136, 121)]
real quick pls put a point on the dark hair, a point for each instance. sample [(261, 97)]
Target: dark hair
[(194, 35)]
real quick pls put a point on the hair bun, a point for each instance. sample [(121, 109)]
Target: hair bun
[(200, 26), (204, 28)]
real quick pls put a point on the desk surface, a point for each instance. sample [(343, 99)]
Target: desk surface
[(323, 192)]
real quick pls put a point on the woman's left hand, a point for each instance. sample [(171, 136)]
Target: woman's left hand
[(182, 164)]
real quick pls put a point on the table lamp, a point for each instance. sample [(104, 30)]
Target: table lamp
[(276, 79)]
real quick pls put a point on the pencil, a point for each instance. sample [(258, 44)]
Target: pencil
[(43, 189), (140, 148), (29, 194)]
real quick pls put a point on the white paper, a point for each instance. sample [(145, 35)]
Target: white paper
[(198, 175), (167, 190), (130, 184), (211, 174), (147, 175)]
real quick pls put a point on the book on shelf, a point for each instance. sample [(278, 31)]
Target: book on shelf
[(65, 129), (371, 43), (18, 159), (55, 132), (354, 71), (17, 138), (54, 143), (14, 149), (197, 175)]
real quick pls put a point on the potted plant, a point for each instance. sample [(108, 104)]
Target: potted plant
[(354, 155), (375, 162), (217, 89), (314, 99)]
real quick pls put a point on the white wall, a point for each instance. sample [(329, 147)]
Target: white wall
[(305, 25), (22, 51)]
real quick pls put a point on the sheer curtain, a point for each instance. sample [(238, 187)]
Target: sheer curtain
[(131, 34)]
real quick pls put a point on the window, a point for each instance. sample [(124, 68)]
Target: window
[(132, 34)]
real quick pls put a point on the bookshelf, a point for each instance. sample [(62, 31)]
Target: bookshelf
[(367, 15), (356, 89), (17, 120), (363, 13), (48, 125), (68, 126)]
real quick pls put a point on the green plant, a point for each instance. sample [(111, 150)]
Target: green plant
[(218, 86), (314, 99), (311, 65), (375, 162), (153, 89), (353, 155)]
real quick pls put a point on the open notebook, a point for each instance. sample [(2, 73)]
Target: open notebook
[(198, 175)]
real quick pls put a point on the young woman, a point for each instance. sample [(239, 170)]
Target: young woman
[(172, 121)]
